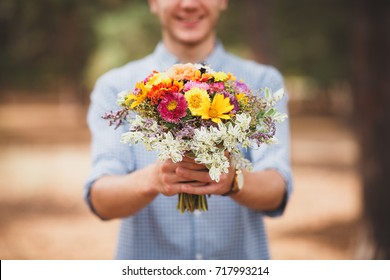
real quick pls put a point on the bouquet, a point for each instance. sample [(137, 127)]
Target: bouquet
[(192, 110)]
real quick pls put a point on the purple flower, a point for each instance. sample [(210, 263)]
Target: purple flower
[(233, 101), (242, 87), (187, 132)]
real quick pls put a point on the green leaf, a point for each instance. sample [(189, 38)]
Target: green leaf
[(270, 112)]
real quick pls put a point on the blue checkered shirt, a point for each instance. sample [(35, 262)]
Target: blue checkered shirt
[(228, 230)]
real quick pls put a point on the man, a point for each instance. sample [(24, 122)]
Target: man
[(131, 184)]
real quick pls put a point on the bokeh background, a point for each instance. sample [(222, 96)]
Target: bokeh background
[(332, 53)]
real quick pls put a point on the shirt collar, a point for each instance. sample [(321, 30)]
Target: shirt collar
[(165, 59)]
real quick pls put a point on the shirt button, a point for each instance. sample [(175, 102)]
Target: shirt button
[(199, 256)]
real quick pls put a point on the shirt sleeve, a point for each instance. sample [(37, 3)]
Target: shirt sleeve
[(276, 156), (109, 156)]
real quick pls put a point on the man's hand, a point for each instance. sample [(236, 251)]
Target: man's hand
[(190, 177)]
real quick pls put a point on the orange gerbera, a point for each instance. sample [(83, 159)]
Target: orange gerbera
[(184, 72), (157, 92)]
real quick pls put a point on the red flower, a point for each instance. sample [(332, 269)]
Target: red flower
[(173, 107)]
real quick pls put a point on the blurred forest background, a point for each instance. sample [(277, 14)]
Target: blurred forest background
[(333, 54)]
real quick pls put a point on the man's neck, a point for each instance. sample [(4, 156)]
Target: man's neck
[(194, 53)]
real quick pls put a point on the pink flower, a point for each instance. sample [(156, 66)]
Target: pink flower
[(192, 84), (217, 86), (173, 107)]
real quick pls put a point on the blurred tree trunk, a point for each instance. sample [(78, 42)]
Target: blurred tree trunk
[(370, 80), (73, 44), (259, 29)]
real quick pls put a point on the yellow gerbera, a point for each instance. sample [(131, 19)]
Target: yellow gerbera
[(137, 98), (218, 109), (158, 78), (196, 99)]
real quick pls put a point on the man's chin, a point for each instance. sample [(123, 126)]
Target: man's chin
[(191, 40)]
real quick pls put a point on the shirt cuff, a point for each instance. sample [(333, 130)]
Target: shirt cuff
[(100, 169)]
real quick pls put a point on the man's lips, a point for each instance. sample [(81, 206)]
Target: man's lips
[(189, 21)]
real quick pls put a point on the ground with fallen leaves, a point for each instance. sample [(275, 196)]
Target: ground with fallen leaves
[(44, 151)]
